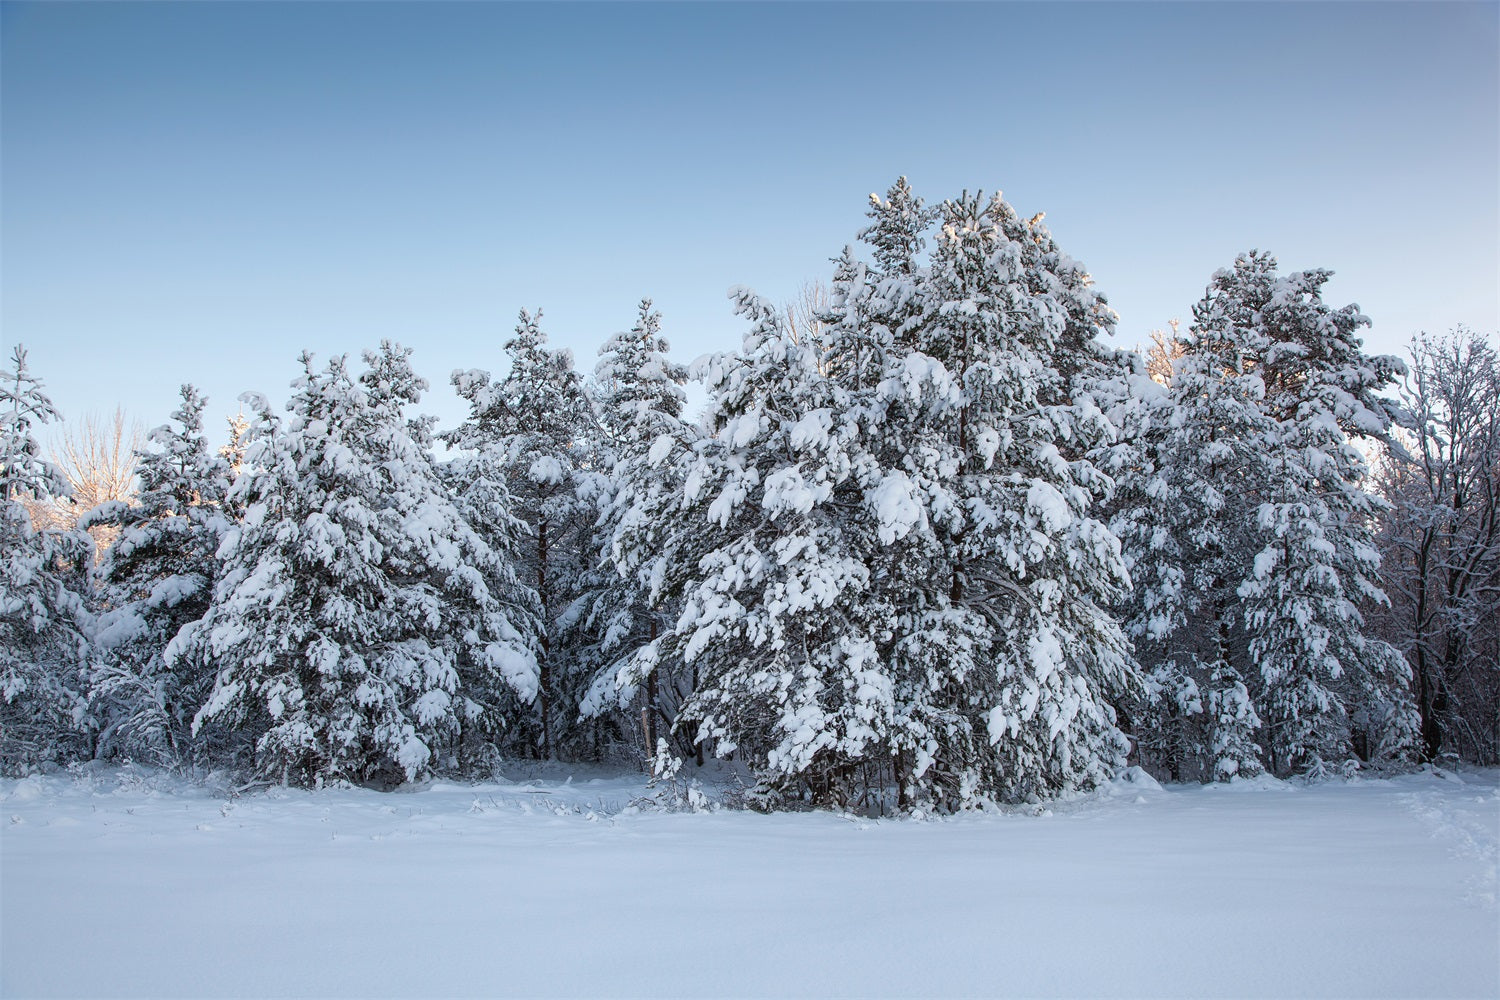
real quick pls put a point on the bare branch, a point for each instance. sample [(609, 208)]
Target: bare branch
[(97, 457)]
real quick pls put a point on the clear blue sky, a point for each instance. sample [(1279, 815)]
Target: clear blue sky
[(195, 192)]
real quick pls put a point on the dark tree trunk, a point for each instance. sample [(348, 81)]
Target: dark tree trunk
[(697, 743), (544, 696), (903, 796), (650, 717)]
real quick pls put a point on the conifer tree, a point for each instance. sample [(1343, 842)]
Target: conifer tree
[(1014, 661), (44, 623), (535, 431), (621, 608), (1317, 561), (354, 630), (1253, 551), (157, 577), (775, 623), (895, 234), (921, 494)]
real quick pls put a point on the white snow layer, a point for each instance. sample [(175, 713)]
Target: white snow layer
[(897, 506), (128, 883)]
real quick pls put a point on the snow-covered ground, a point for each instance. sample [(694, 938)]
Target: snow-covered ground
[(126, 883)]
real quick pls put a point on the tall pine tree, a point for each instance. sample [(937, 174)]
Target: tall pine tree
[(44, 623), (622, 608), (157, 577), (1009, 654), (1318, 562), (535, 431), (901, 581), (776, 625), (1253, 547), (354, 629)]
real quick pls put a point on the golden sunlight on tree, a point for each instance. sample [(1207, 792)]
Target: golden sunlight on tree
[(1161, 357), (97, 457), (234, 451)]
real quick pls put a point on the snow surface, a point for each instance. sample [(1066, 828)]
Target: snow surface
[(122, 882)]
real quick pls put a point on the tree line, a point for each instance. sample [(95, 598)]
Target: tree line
[(931, 542)]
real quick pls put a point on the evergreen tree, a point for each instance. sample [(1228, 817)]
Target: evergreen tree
[(775, 624), (44, 648), (1196, 492), (1011, 662), (1318, 562), (354, 630), (1251, 540), (536, 432), (157, 577), (901, 579), (895, 234), (620, 610)]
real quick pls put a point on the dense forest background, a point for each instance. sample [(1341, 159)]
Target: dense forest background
[(933, 540)]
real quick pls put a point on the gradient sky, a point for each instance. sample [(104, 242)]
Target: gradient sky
[(196, 192)]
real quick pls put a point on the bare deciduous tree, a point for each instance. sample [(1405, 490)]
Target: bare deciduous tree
[(97, 457), (804, 314), (234, 451), (1162, 355), (1441, 541)]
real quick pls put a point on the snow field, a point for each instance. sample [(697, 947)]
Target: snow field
[(132, 884)]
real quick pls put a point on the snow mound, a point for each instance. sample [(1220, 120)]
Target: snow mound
[(1132, 784), (25, 790), (1259, 783), (1136, 779)]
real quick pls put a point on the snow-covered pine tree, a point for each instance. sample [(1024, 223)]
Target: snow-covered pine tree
[(535, 431), (233, 450), (896, 231), (476, 482), (965, 643), (157, 577), (873, 307), (354, 629), (773, 573), (621, 608), (1322, 674), (857, 333), (44, 649), (1188, 524), (1252, 546), (1005, 660)]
